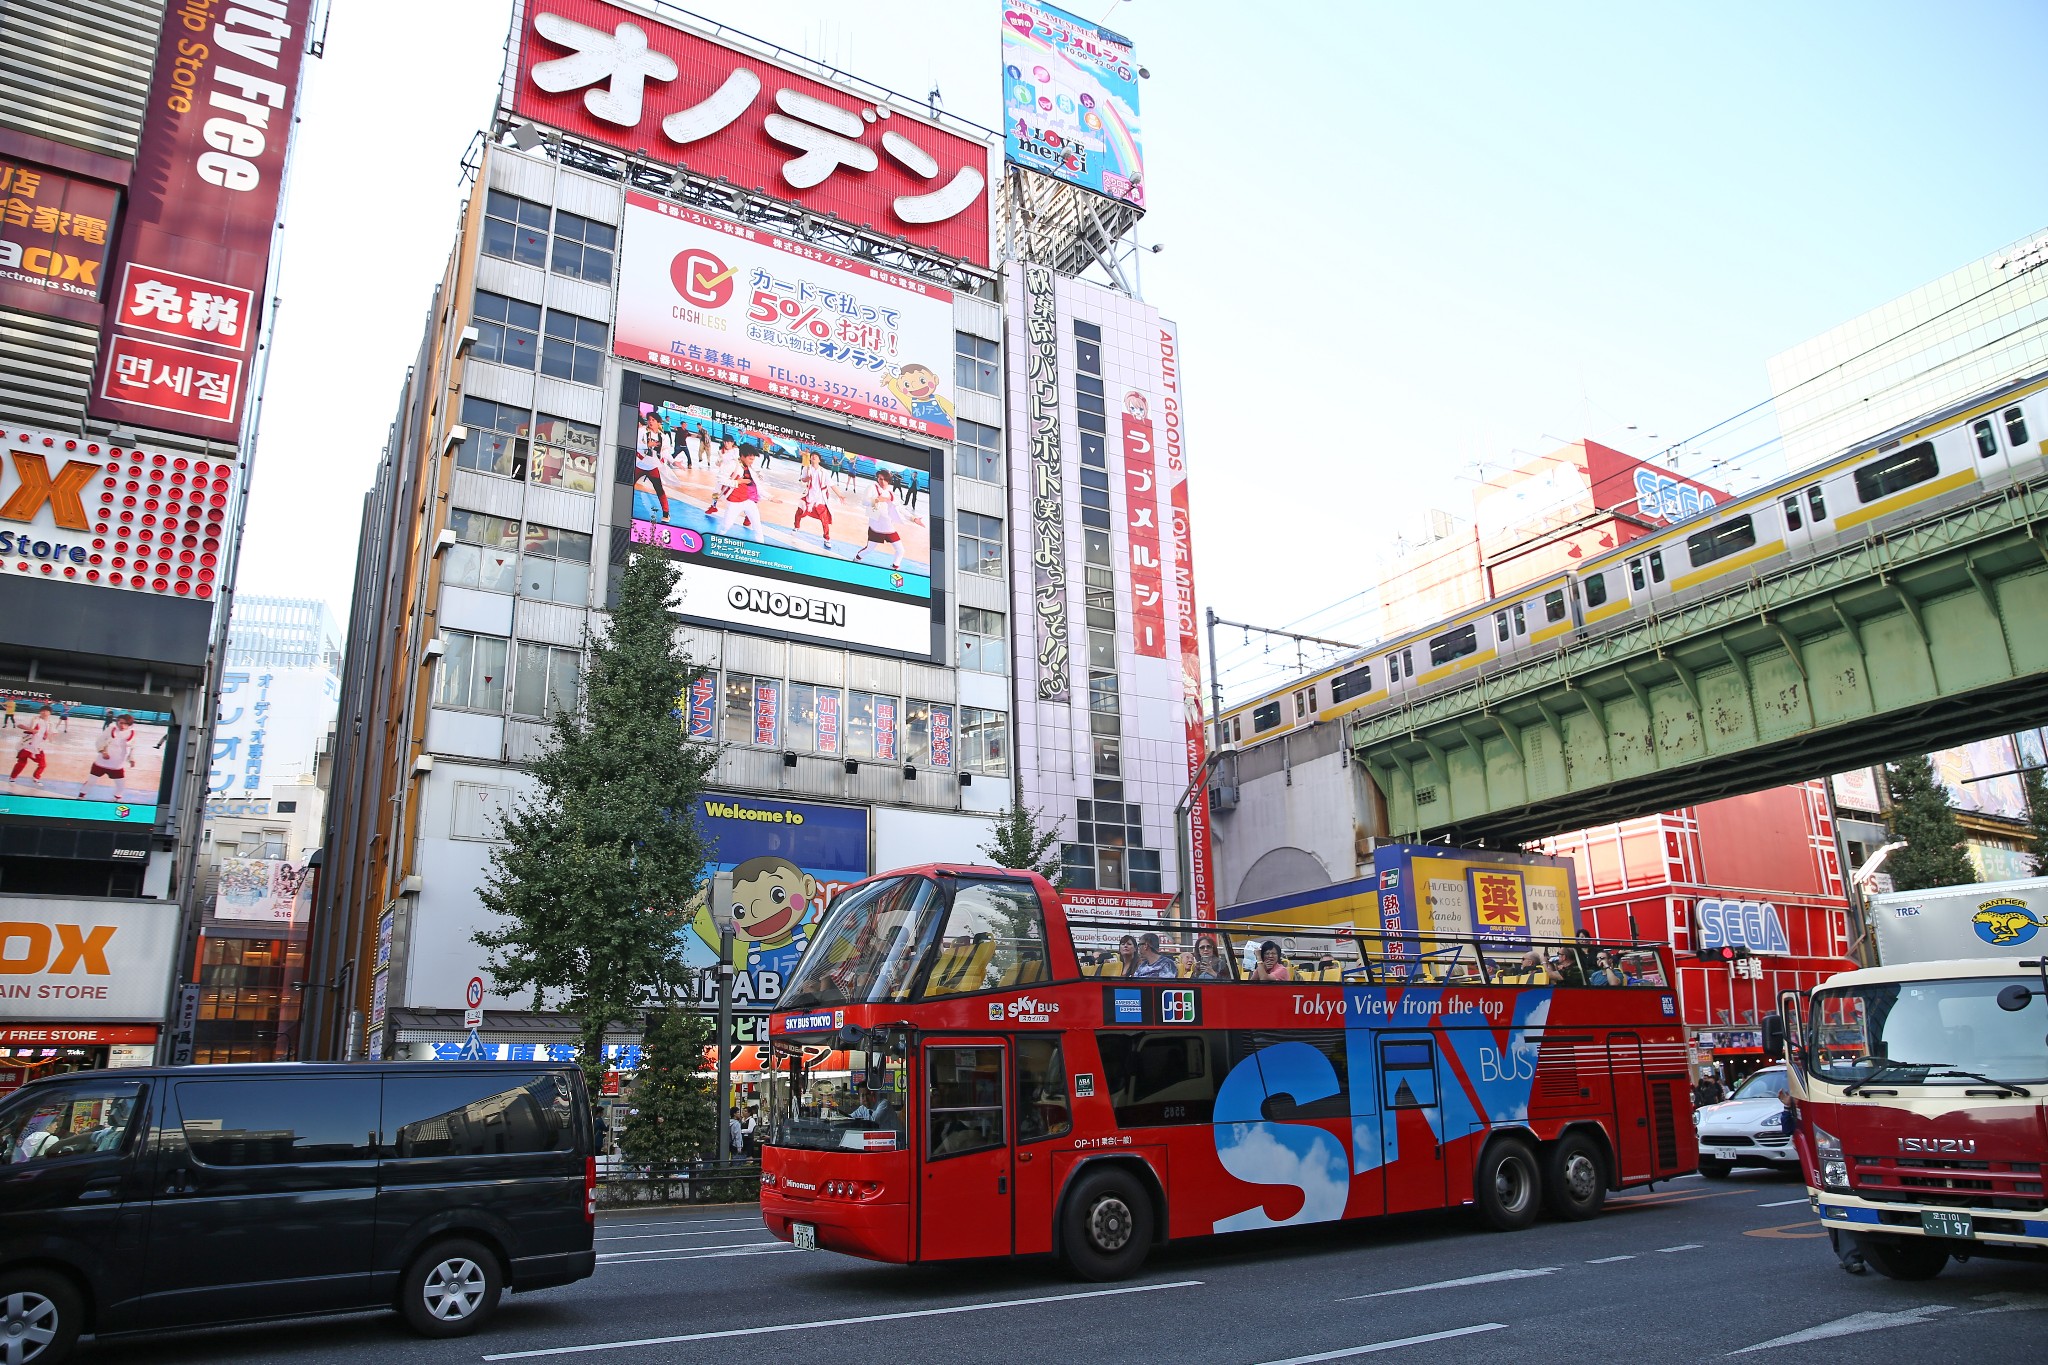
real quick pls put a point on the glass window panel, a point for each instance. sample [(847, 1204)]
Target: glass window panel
[(454, 1115), (275, 1122)]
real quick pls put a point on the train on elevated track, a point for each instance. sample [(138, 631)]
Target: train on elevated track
[(1943, 459)]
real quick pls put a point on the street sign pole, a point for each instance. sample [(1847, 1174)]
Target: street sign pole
[(725, 1044)]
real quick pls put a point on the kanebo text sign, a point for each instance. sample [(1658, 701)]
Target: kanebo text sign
[(107, 962)]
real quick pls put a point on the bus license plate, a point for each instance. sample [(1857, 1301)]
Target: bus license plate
[(805, 1235), (1942, 1223)]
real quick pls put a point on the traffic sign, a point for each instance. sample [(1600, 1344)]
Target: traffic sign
[(475, 996), (473, 1020), (472, 1049)]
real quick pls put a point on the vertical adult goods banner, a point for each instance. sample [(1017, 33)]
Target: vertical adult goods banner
[(1201, 896), (192, 260), (1070, 101)]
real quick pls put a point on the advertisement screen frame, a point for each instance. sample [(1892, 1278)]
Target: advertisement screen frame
[(630, 533), (19, 801)]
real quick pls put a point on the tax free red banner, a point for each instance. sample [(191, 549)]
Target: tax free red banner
[(626, 79), (193, 255)]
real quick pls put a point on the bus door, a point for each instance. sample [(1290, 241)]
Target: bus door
[(964, 1197), (1631, 1104), (1411, 1122)]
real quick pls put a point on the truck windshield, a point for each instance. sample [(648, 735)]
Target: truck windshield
[(843, 1090), (867, 949), (1928, 1033)]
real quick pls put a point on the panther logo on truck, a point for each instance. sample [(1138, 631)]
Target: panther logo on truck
[(2005, 920)]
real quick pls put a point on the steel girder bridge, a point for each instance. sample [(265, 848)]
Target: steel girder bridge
[(1924, 636)]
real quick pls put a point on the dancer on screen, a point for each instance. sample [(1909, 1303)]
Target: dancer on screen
[(886, 519), (814, 493)]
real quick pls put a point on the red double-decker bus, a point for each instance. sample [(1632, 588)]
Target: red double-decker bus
[(1024, 1081)]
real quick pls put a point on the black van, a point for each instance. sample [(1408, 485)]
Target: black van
[(133, 1200)]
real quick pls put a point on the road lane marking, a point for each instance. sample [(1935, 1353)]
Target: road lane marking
[(1783, 1203), (843, 1322), (1785, 1230), (1610, 1260), (2011, 1303), (1391, 1345), (771, 1249), (663, 1236), (1688, 1246), (674, 1222), (1850, 1326), (1495, 1278), (667, 1251)]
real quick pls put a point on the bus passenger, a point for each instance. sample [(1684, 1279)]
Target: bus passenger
[(1152, 964), (1126, 957), (1270, 967), (1208, 965)]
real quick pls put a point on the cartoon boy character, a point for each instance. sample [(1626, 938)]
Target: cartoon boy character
[(917, 388), (772, 901)]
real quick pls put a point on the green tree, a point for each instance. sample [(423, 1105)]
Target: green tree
[(2037, 820), (675, 1113), (1017, 840), (594, 870), (1921, 815)]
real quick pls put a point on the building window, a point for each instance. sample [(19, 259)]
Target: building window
[(515, 229), (753, 709), (981, 544), (1109, 755), (1087, 348), (556, 565), (472, 671), (978, 452), (1142, 866), (974, 364), (984, 641), (507, 330), (1077, 866), (984, 742), (485, 555), (549, 679), (574, 349), (871, 726), (565, 454), (497, 438), (1095, 498), (814, 719), (928, 735), (583, 248)]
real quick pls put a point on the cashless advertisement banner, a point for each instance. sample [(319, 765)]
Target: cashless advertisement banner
[(775, 865), (1070, 101), (705, 296)]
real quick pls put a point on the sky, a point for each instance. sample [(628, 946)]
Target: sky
[(1403, 243)]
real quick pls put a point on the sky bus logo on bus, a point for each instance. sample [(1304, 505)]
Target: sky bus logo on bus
[(1025, 1009), (814, 1023)]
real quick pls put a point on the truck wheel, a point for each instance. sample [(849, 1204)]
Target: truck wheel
[(452, 1289), (1714, 1169), (1106, 1227), (40, 1314), (1903, 1258), (1507, 1187), (1574, 1178)]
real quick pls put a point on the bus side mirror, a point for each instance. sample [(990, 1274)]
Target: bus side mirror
[(1774, 1038)]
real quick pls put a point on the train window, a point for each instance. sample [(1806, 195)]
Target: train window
[(1400, 666), (1553, 605), (1265, 717), (1500, 626), (1900, 469), (1816, 505), (1656, 566), (1635, 574), (1521, 623), (1987, 438), (1596, 589), (1792, 521), (1718, 542), (1408, 663), (1312, 698), (1356, 683), (1453, 644), (1237, 729), (1300, 705), (2015, 427)]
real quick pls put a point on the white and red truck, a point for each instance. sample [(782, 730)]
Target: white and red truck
[(1920, 1086)]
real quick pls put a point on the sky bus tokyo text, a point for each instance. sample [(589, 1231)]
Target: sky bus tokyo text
[(965, 1069)]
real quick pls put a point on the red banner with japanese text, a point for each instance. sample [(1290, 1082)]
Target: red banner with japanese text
[(1201, 894), (192, 261), (1141, 522), (652, 90)]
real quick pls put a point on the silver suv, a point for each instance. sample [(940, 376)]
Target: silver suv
[(1744, 1129)]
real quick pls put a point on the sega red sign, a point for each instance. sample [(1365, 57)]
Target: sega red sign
[(650, 89), (194, 246)]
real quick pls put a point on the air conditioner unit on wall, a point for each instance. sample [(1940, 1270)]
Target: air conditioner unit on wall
[(1223, 796)]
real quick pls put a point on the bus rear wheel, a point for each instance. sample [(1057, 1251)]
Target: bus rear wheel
[(1107, 1226), (1574, 1178), (1506, 1186)]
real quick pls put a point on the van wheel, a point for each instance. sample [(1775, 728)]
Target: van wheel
[(40, 1314), (1574, 1178), (452, 1289), (1107, 1226), (1903, 1258), (1507, 1186)]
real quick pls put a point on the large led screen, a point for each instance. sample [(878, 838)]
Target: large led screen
[(74, 755)]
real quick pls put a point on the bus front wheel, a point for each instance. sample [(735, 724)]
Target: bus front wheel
[(1506, 1186), (1108, 1226)]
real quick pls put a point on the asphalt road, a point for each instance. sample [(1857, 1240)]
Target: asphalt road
[(1691, 1271)]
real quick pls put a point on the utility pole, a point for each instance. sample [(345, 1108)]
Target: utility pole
[(724, 1044)]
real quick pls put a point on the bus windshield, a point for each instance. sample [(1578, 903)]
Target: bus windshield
[(839, 1090), (867, 949), (1928, 1033)]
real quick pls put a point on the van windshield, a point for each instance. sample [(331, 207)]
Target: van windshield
[(1929, 1033)]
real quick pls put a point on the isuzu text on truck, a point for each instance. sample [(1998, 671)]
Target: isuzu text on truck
[(1921, 1085)]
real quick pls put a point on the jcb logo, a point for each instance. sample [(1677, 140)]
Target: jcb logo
[(26, 949), (52, 264), (35, 487), (1177, 1007)]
